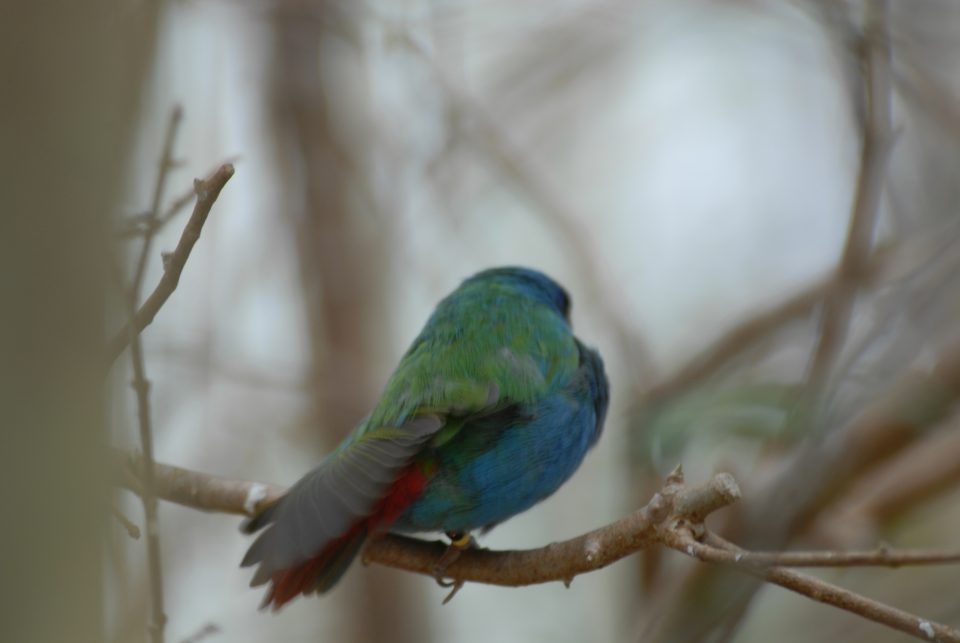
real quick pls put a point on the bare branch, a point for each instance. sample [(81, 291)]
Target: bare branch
[(199, 490), (877, 141), (564, 560), (814, 588), (204, 632), (138, 225), (166, 164), (820, 473), (879, 557), (141, 386), (762, 325), (823, 471), (672, 517), (206, 192), (128, 525), (555, 562)]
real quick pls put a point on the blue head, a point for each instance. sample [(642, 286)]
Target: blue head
[(531, 283)]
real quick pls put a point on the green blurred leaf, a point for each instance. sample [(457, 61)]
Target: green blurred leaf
[(662, 431)]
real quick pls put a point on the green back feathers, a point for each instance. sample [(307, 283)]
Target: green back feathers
[(485, 346)]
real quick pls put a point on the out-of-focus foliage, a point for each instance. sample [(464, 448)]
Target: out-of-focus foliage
[(716, 416)]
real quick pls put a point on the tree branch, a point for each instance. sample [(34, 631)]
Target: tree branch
[(874, 151), (198, 490), (138, 225), (141, 386), (555, 562), (760, 326), (820, 472), (673, 517), (206, 192), (564, 560), (879, 557), (813, 588)]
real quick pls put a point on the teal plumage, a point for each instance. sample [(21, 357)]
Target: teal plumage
[(490, 410)]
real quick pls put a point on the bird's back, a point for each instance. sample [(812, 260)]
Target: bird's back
[(484, 341)]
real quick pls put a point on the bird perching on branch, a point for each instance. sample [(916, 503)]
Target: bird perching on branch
[(491, 409)]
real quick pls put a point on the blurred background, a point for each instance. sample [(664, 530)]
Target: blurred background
[(681, 167)]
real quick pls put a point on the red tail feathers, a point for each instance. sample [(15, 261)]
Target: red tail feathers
[(321, 572)]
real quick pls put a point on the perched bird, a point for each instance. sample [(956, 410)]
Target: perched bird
[(491, 409)]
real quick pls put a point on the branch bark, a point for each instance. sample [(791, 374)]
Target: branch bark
[(673, 517), (814, 588), (879, 557), (555, 562), (206, 192), (141, 386)]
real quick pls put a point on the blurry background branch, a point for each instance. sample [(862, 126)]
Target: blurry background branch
[(486, 135), (205, 192), (873, 49), (823, 465), (141, 387), (342, 239)]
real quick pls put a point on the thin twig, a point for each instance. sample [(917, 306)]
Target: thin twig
[(206, 193), (137, 226), (199, 490), (807, 483), (874, 151), (890, 262), (879, 557), (132, 530), (141, 386), (760, 326), (166, 164), (204, 632), (823, 471), (814, 588)]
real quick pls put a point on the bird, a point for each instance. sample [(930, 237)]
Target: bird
[(490, 410)]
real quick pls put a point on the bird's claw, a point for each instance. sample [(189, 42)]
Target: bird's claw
[(459, 542), (453, 592)]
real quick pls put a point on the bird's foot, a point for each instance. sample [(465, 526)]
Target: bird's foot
[(459, 542)]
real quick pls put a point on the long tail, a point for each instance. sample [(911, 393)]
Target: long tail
[(318, 574), (318, 506)]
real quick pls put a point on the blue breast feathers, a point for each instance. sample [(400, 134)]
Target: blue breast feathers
[(500, 465)]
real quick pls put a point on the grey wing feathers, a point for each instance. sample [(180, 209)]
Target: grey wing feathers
[(328, 501)]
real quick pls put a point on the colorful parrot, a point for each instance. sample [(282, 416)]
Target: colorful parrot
[(491, 409)]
